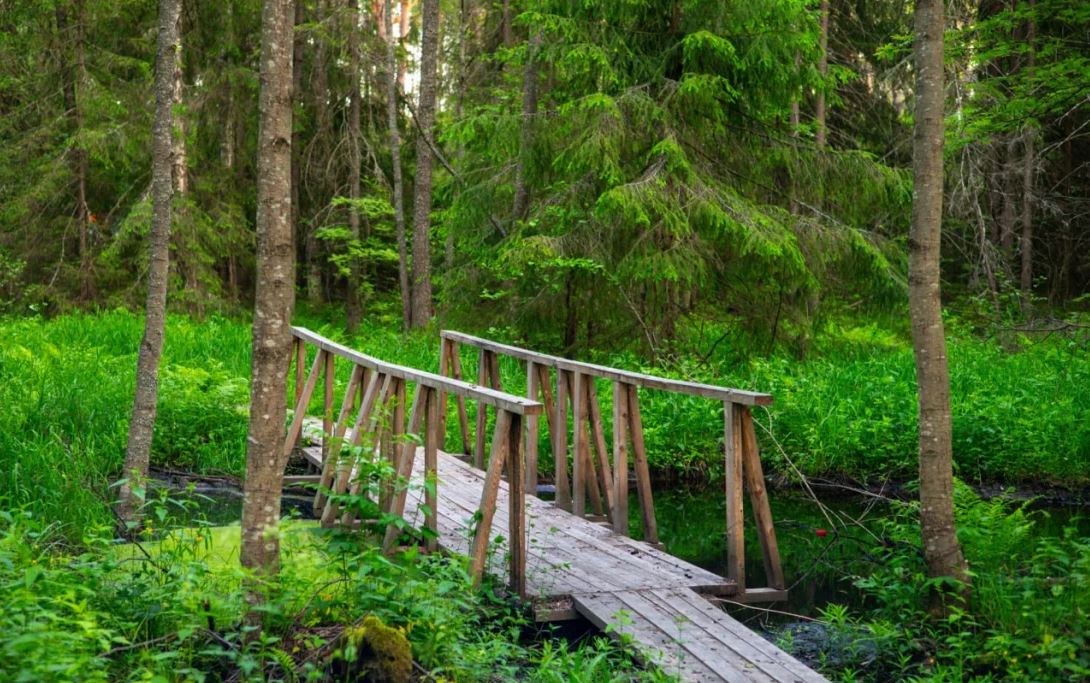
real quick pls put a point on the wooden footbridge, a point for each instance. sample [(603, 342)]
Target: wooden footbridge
[(571, 557)]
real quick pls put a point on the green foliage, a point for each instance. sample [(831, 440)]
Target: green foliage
[(1011, 630)]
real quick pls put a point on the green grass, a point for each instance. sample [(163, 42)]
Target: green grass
[(1020, 415)]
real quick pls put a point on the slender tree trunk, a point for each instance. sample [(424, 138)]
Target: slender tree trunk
[(274, 298), (75, 69), (1028, 165), (1007, 210), (506, 31), (352, 306), (521, 202), (395, 160), (404, 24), (940, 543), (180, 172), (823, 68), (296, 133), (142, 425), (425, 115), (322, 125)]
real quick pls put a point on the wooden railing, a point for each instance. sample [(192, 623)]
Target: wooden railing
[(603, 480), (372, 423)]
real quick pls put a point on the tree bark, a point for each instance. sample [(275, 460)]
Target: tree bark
[(521, 202), (1028, 164), (296, 133), (142, 424), (425, 119), (823, 68), (74, 73), (352, 305), (404, 23), (274, 298), (395, 161), (942, 551)]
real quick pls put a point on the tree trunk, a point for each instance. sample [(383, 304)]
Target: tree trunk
[(425, 119), (296, 133), (521, 202), (180, 166), (352, 305), (142, 425), (274, 298), (74, 72), (404, 24), (940, 543), (1028, 163), (505, 28), (395, 161), (823, 68)]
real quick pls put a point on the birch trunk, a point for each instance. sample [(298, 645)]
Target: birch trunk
[(274, 298)]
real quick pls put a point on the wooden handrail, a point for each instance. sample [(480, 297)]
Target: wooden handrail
[(497, 399), (615, 374), (605, 483), (379, 430)]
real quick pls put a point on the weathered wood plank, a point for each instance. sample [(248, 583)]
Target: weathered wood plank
[(758, 499), (620, 458), (301, 403), (732, 447), (604, 472), (643, 472), (330, 452), (560, 443), (532, 390), (404, 467), (489, 496)]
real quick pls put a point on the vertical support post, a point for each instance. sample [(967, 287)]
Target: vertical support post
[(327, 403), (578, 417), (758, 499), (463, 416), (482, 410), (594, 417), (307, 389), (532, 390), (300, 360), (489, 494), (517, 512), (377, 388), (560, 443), (620, 459), (444, 370), (403, 467), (732, 446), (643, 472), (339, 428), (433, 424)]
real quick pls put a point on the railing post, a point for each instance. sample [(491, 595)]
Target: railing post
[(327, 403), (620, 458), (578, 469), (532, 390), (732, 446), (643, 470), (560, 443), (433, 425), (517, 512), (482, 411)]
